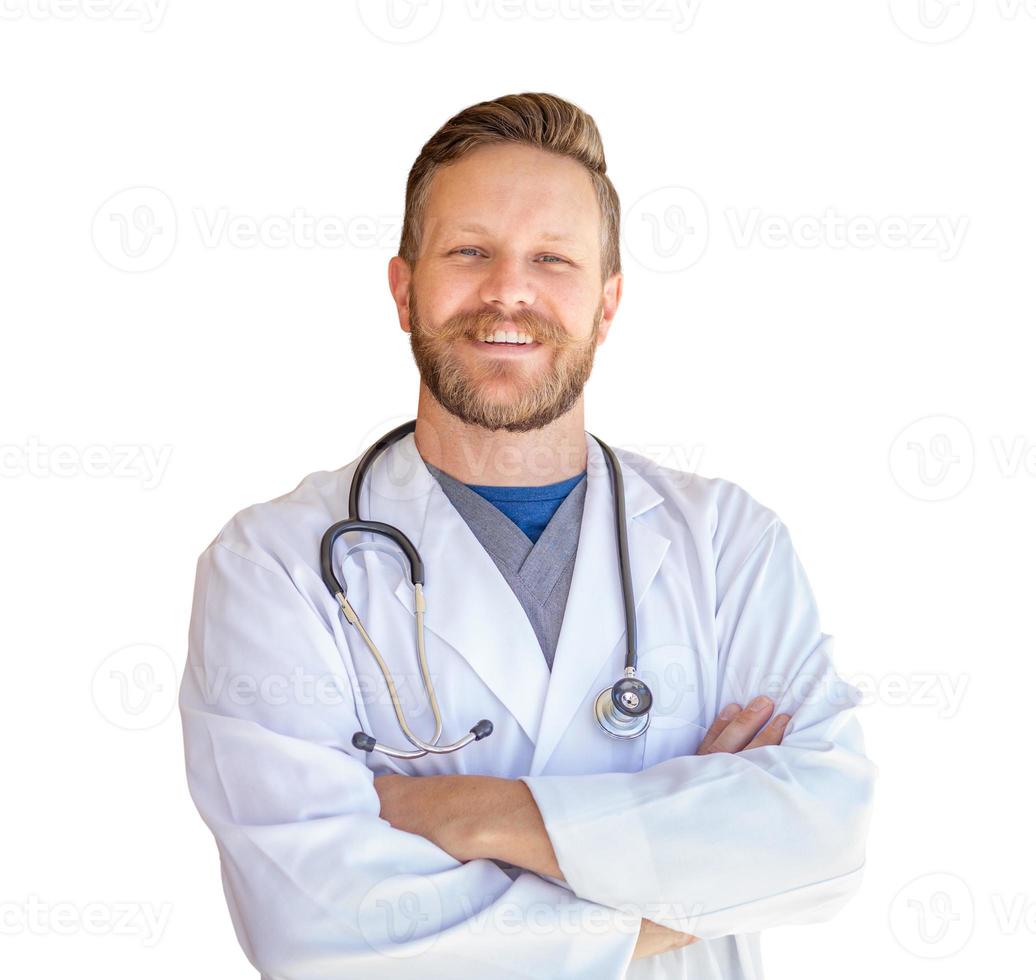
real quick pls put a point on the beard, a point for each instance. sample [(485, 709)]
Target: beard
[(536, 396)]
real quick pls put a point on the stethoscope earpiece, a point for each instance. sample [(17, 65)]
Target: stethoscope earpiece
[(482, 729)]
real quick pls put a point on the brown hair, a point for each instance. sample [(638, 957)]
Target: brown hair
[(534, 118)]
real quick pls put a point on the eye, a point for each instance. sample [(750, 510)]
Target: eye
[(558, 257), (466, 248)]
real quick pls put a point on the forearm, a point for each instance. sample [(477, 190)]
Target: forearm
[(507, 826), (471, 817)]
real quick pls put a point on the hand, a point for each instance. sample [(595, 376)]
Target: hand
[(654, 939), (734, 732)]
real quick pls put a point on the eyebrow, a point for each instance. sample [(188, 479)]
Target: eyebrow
[(547, 236)]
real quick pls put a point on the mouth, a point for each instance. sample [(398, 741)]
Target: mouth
[(506, 342)]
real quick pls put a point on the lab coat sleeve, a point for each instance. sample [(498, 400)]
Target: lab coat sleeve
[(317, 884), (733, 843)]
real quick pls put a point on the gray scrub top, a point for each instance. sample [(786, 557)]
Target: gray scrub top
[(539, 574)]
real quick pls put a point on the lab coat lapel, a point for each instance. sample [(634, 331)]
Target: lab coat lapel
[(469, 603), (593, 633)]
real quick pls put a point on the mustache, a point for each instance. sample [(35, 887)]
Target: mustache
[(471, 326)]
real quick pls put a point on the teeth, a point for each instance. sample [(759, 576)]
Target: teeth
[(507, 337)]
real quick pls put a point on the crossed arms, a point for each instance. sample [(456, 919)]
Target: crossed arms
[(472, 817), (322, 880)]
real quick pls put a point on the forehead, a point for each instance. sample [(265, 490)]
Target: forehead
[(514, 189)]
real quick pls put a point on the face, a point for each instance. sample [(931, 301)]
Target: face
[(506, 306)]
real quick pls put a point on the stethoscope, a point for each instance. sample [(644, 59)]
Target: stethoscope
[(621, 710)]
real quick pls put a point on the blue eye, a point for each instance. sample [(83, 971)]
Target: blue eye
[(468, 250)]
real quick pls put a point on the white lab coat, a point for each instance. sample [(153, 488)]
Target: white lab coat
[(720, 846)]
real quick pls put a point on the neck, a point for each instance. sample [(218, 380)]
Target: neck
[(472, 454)]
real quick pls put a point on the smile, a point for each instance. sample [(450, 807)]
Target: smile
[(501, 348), (507, 337)]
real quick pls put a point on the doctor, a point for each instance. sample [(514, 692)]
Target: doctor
[(547, 849)]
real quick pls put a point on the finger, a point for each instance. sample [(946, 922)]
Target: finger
[(771, 734), (743, 728), (719, 723)]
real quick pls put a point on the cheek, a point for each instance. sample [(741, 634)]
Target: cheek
[(441, 297)]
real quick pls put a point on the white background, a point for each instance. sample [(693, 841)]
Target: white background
[(828, 256)]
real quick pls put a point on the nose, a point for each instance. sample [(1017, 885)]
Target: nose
[(507, 285)]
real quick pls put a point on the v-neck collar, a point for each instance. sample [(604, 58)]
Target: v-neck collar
[(537, 566)]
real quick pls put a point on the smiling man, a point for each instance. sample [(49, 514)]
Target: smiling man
[(510, 314), (551, 847)]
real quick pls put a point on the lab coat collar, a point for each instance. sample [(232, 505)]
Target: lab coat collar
[(473, 609)]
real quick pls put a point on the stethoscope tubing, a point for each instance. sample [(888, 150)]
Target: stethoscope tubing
[(609, 708)]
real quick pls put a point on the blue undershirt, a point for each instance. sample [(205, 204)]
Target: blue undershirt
[(531, 508)]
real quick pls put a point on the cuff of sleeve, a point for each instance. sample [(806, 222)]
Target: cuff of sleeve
[(579, 818), (601, 940)]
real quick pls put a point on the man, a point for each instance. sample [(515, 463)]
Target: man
[(547, 849)]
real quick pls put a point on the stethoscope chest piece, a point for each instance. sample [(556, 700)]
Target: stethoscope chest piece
[(623, 710)]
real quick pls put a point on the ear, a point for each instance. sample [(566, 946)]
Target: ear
[(399, 275), (610, 297)]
